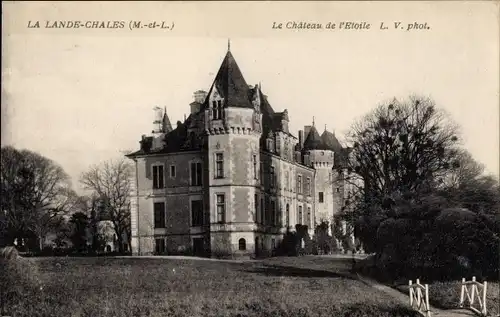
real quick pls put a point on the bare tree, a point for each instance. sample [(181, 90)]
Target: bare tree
[(467, 169), (111, 182), (401, 149), (35, 192)]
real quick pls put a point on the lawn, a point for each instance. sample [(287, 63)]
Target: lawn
[(301, 286)]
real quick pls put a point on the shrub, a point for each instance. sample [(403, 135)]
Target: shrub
[(19, 278)]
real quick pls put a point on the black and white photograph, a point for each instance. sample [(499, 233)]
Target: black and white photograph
[(250, 159)]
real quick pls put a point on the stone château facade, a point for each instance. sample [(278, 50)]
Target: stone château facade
[(231, 178)]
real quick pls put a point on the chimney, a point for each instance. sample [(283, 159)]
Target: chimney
[(301, 139), (199, 99), (199, 96), (307, 128), (158, 120)]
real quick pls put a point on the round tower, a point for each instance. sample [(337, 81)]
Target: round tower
[(233, 128), (319, 155)]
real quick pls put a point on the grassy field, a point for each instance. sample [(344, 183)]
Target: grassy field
[(303, 286)]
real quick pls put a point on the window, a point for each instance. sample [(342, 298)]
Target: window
[(262, 210), (273, 244), (308, 219), (273, 212), (219, 165), (256, 207), (270, 145), (160, 246), (287, 220), (299, 221), (271, 176), (338, 189), (217, 110), (299, 184), (159, 215), (286, 180), (279, 217), (242, 244), (197, 213), (172, 170), (196, 174), (255, 174), (158, 177), (320, 198), (261, 172), (308, 186), (221, 208)]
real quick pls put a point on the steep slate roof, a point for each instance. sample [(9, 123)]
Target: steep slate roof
[(313, 141), (167, 126), (330, 141), (231, 84)]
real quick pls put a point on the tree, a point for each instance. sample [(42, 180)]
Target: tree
[(79, 222), (35, 192), (324, 242), (467, 169), (401, 149), (110, 181)]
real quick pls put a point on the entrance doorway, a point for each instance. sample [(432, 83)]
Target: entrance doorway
[(198, 248)]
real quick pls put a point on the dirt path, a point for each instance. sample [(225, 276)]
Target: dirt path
[(404, 299)]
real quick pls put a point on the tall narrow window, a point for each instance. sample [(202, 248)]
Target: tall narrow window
[(219, 165), (279, 216), (287, 220), (172, 171), (308, 186), (215, 113), (159, 215), (196, 174), (262, 211), (220, 111), (255, 174), (221, 208), (269, 211), (321, 197), (158, 177), (262, 172), (299, 184), (273, 213), (286, 180), (197, 213), (308, 218), (256, 207), (299, 221), (271, 176)]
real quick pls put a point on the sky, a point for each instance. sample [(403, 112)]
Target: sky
[(81, 97)]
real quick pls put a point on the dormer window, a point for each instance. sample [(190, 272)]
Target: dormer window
[(217, 110), (270, 145)]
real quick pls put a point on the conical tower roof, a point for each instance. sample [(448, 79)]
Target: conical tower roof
[(231, 84), (313, 141), (167, 126), (330, 141)]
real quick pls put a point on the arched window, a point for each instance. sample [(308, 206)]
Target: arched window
[(242, 244)]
